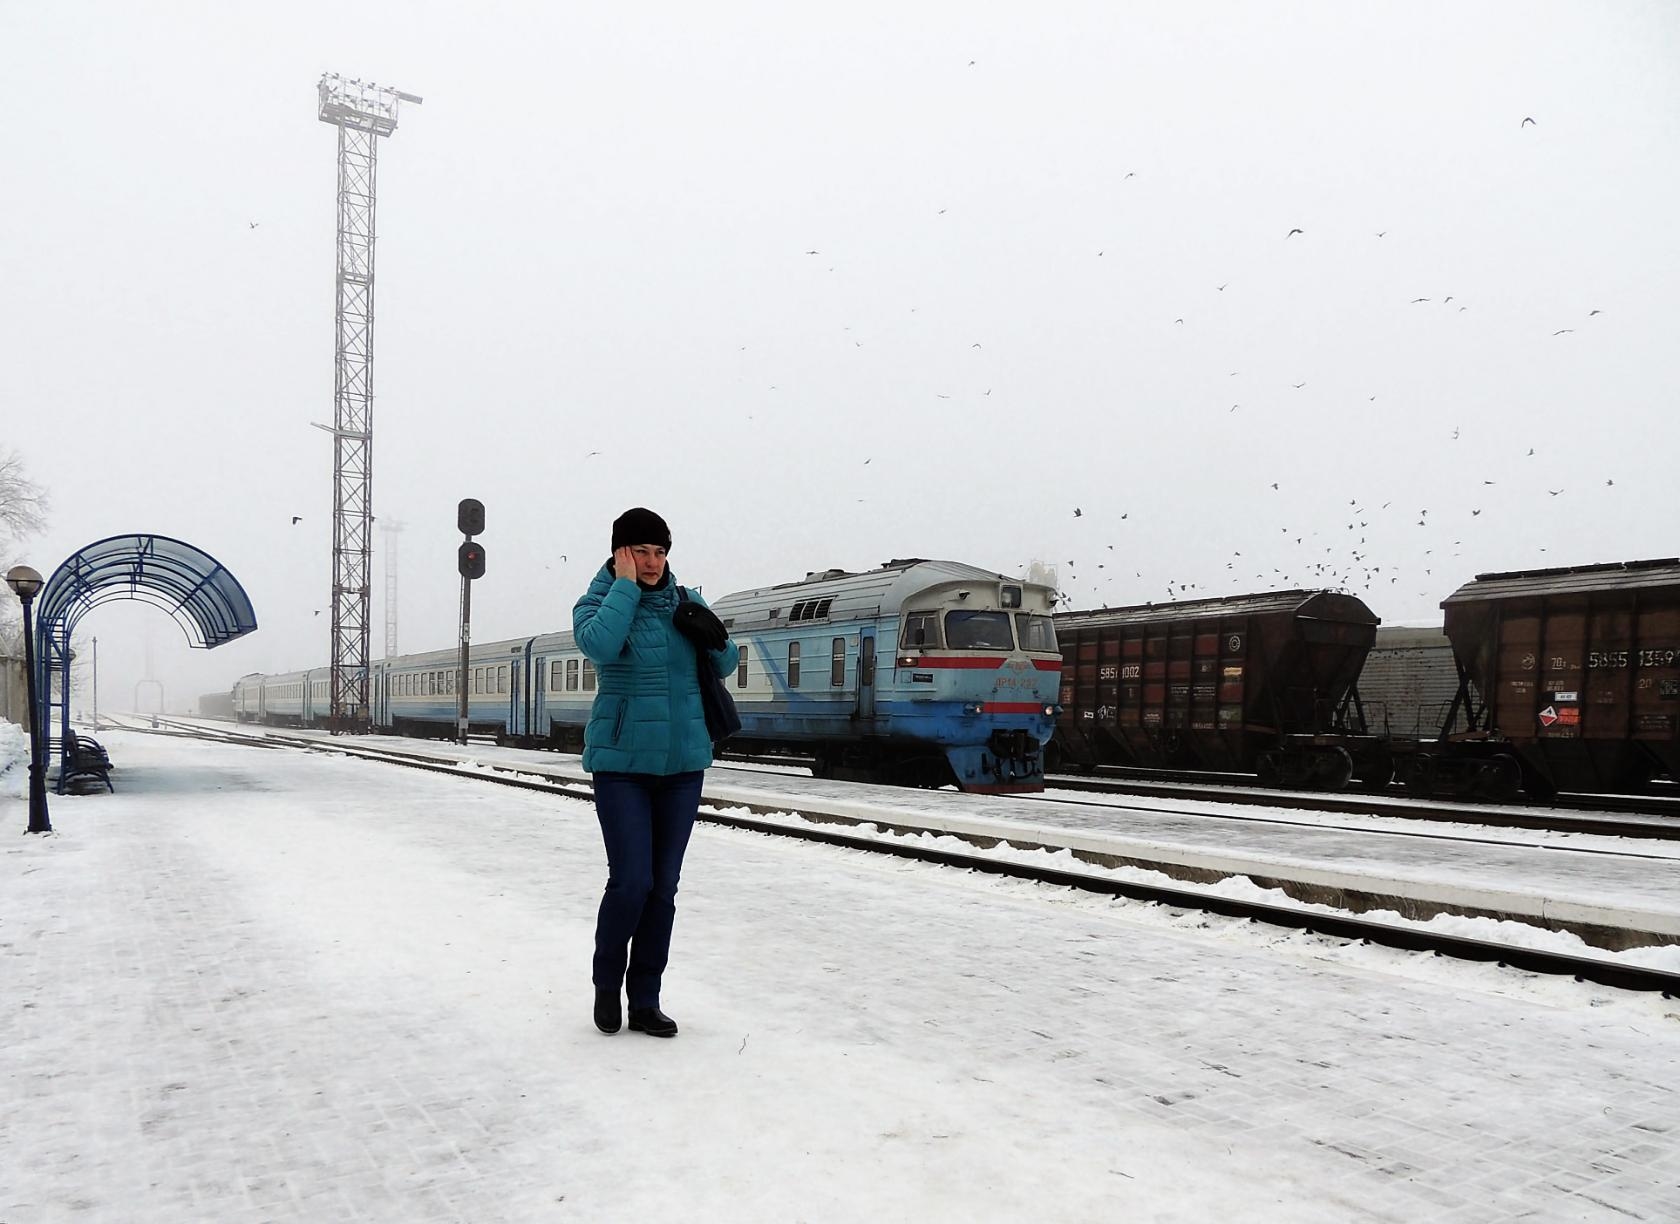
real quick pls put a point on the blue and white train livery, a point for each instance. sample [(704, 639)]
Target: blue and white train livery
[(921, 672)]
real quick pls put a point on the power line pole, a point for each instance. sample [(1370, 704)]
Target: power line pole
[(391, 529), (362, 112)]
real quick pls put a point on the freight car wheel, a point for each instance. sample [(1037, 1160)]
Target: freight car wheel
[(1331, 769), (1420, 777), (1375, 772), (1500, 779)]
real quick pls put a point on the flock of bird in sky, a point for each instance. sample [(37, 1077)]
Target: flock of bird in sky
[(1344, 565)]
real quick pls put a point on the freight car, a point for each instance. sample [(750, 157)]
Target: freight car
[(1569, 680), (966, 696), (1256, 683)]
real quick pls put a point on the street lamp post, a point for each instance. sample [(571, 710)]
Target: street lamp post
[(26, 584)]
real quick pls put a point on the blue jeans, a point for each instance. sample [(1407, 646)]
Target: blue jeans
[(645, 822)]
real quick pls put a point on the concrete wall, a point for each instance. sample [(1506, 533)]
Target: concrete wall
[(14, 691)]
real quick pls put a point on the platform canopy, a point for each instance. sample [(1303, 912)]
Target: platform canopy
[(205, 599)]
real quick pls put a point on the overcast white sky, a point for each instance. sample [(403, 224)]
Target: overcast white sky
[(594, 237)]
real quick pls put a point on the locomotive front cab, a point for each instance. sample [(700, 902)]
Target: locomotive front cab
[(980, 659)]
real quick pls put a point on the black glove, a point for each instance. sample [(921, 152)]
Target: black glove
[(700, 625)]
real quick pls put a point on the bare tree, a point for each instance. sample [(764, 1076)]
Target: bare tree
[(23, 511), (23, 504)]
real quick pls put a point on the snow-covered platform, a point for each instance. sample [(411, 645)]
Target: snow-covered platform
[(275, 986)]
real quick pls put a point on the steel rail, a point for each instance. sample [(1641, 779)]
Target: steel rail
[(1376, 805)]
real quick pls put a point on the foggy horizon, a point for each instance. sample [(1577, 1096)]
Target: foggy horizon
[(1368, 298)]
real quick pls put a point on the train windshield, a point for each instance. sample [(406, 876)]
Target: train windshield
[(1035, 632), (920, 632), (978, 631)]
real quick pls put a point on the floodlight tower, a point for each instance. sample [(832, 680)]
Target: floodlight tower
[(362, 112)]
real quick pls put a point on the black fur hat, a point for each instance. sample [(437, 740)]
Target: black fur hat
[(640, 525)]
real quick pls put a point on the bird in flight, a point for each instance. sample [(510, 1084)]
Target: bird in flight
[(1292, 233), (1608, 483), (1077, 513), (1554, 492), (1274, 485), (1415, 301), (296, 519), (1526, 121), (1380, 233), (1298, 385), (252, 224), (813, 252), (1591, 313), (1474, 513), (317, 611), (1221, 288)]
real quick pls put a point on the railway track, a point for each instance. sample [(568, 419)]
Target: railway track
[(1646, 825), (1245, 788), (830, 828)]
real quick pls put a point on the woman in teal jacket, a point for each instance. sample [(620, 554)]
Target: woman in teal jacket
[(646, 745)]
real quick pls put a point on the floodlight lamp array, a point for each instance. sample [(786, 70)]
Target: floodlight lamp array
[(354, 103)]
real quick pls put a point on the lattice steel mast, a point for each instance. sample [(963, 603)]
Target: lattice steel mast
[(362, 113)]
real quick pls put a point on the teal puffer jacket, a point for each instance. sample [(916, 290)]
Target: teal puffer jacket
[(647, 716)]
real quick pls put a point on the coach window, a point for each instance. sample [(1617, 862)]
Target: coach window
[(588, 675), (966, 630), (793, 664), (554, 676), (501, 678), (866, 662), (920, 632), (837, 663), (741, 670), (571, 675)]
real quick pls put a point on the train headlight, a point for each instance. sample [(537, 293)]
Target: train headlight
[(1049, 711)]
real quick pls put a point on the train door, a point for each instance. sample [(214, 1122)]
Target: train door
[(866, 673), (516, 695)]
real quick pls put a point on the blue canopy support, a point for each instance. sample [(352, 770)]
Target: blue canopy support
[(201, 594)]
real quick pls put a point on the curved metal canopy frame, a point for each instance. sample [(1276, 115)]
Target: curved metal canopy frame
[(200, 593)]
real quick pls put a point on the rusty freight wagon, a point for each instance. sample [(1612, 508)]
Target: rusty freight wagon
[(1572, 674), (1256, 683)]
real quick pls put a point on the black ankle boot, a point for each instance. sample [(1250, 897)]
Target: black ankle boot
[(607, 1016), (652, 1021)]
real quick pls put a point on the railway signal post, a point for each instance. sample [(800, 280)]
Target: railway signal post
[(469, 560)]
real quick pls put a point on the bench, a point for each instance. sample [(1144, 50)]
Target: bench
[(86, 761)]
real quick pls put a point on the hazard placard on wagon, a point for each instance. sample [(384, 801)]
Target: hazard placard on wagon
[(1565, 716)]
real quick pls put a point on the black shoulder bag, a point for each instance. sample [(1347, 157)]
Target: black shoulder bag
[(722, 719)]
